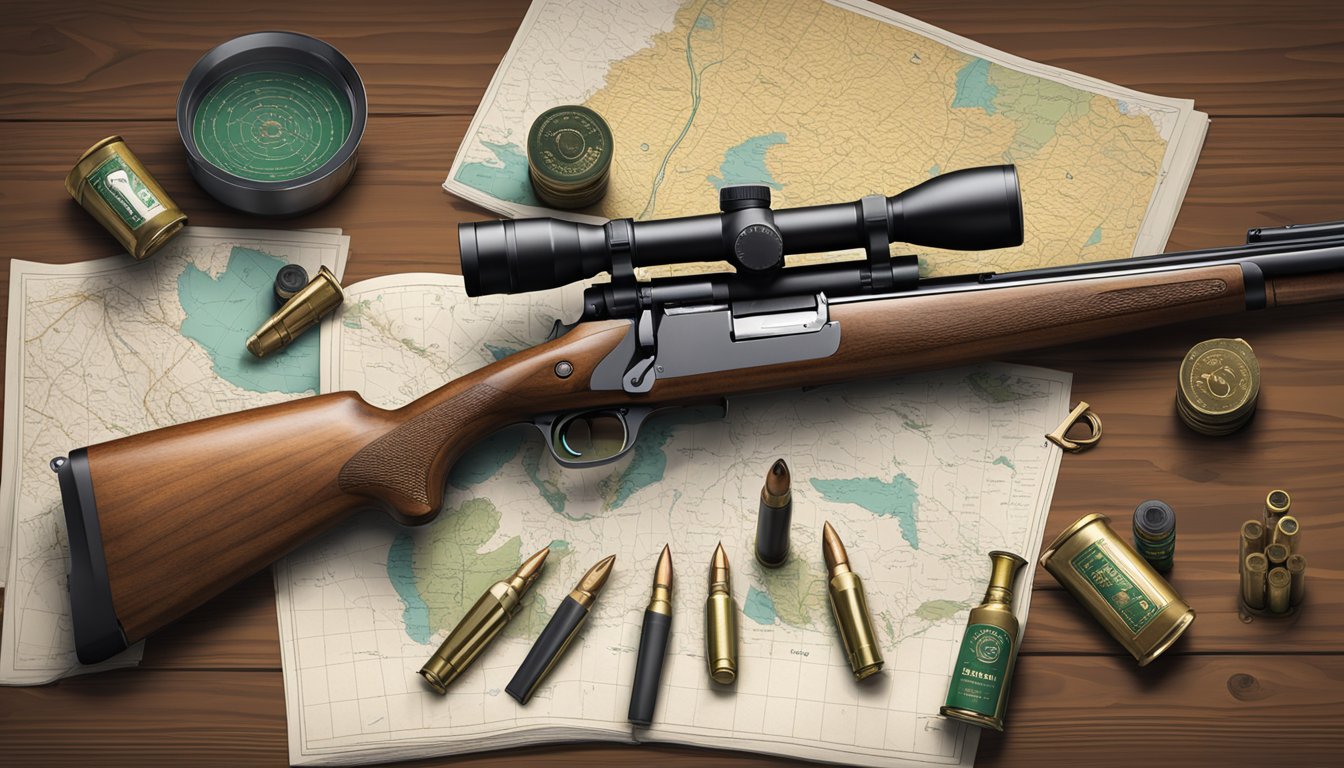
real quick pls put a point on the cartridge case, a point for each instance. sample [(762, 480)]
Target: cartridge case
[(978, 693), (109, 182), (721, 637), (1278, 592), (1252, 539), (1297, 571), (1118, 587), (1254, 569), (472, 635), (849, 608), (1277, 504), (1277, 554), (1285, 533), (301, 312)]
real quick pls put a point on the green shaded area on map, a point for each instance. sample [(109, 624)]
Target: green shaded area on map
[(995, 388), (440, 571), (648, 460), (506, 181), (534, 459), (939, 610), (795, 593), (352, 315), (223, 311), (1094, 238), (896, 498), (1004, 461), (484, 459), (974, 90), (499, 351), (745, 163), (759, 607)]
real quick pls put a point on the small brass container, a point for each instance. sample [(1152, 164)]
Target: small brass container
[(111, 184), (1277, 554), (981, 679), (1218, 386), (1118, 587), (569, 151)]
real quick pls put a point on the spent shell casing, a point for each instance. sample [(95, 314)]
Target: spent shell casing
[(1277, 504), (1285, 533), (1297, 569), (1252, 539), (1253, 571), (1278, 593), (1277, 554), (301, 312)]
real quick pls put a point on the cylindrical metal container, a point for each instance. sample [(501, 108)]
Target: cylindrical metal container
[(1278, 594), (1254, 568), (1285, 532), (1118, 587), (983, 674), (1155, 533), (272, 122), (111, 184)]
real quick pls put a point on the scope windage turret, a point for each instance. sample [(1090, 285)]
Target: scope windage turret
[(975, 209)]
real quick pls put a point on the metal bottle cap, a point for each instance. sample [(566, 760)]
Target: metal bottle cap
[(300, 313)]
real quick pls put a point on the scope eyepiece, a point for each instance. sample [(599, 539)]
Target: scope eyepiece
[(972, 209)]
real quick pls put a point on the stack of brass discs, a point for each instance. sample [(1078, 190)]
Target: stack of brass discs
[(1218, 387), (569, 157), (1273, 572)]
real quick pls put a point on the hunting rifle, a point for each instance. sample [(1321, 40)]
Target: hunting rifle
[(161, 521)]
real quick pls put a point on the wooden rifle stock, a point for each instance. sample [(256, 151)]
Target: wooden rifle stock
[(162, 521)]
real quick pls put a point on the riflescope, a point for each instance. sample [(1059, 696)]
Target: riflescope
[(970, 210)]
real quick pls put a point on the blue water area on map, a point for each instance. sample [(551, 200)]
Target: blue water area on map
[(759, 607), (223, 311), (1095, 238), (704, 22), (885, 499), (507, 181), (935, 169), (415, 615), (745, 163), (648, 461), (500, 352), (973, 88), (487, 457), (1004, 461)]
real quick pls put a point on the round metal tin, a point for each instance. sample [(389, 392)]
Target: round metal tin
[(272, 121), (1218, 386)]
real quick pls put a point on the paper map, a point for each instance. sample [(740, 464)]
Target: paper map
[(107, 348), (922, 476), (827, 102)]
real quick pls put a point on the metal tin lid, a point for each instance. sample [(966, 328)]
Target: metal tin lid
[(1218, 386), (76, 177), (569, 146), (1068, 533), (1154, 519)]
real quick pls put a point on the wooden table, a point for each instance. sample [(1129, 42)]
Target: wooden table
[(1234, 691)]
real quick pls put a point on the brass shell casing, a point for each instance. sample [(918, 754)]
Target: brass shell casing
[(1285, 533), (472, 634), (1297, 569), (141, 239), (303, 311), (1278, 595), (1252, 539), (1277, 504), (995, 611), (1118, 587), (1254, 568), (1277, 554), (721, 637), (849, 608)]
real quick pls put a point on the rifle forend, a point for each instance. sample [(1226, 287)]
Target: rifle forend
[(162, 521)]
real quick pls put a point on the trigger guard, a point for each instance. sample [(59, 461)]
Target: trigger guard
[(631, 416)]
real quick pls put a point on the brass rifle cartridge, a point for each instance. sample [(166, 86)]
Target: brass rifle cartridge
[(978, 693), (1120, 589), (1254, 567), (1297, 570), (299, 313), (1285, 533), (721, 621), (1277, 554), (1277, 504), (849, 607), (1278, 594), (1252, 539), (481, 624)]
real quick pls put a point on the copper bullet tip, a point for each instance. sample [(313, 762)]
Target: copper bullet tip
[(596, 577), (833, 550), (662, 575), (718, 568), (531, 567), (778, 479)]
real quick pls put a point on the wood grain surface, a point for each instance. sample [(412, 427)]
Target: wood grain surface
[(1271, 75)]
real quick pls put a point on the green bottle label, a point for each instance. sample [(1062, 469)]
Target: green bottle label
[(982, 670), (124, 192), (1135, 608)]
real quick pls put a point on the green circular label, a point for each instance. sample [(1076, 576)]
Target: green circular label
[(571, 145), (271, 126)]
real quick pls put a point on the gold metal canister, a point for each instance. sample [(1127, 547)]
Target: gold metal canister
[(111, 184), (1120, 589)]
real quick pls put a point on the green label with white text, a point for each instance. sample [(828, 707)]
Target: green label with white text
[(124, 192), (1135, 608), (981, 671)]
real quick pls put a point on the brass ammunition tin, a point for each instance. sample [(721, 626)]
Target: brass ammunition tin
[(1218, 386), (983, 674), (109, 182), (1254, 568), (1297, 569), (1277, 504), (569, 151), (1278, 593), (1285, 533), (301, 312), (1118, 587)]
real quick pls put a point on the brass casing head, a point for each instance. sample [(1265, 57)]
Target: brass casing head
[(321, 295), (1277, 554), (1252, 539), (1254, 567), (1285, 533), (721, 621), (1277, 504), (1278, 595), (481, 624), (849, 608)]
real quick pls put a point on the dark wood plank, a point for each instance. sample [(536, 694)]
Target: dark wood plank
[(87, 60), (1065, 711)]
